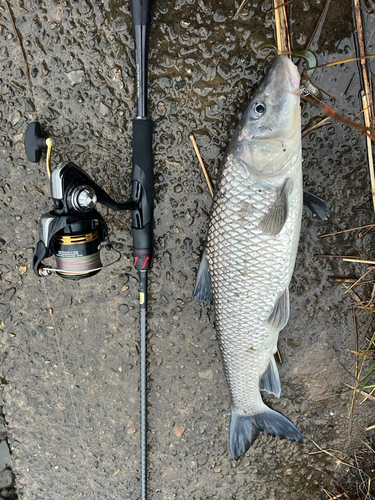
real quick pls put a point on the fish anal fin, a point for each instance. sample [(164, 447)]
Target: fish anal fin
[(318, 206), (203, 290), (273, 222), (280, 313), (270, 380)]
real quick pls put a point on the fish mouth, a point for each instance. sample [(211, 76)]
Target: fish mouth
[(294, 77), (283, 65)]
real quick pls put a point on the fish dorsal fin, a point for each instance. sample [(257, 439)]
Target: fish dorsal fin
[(203, 290), (270, 380), (273, 222), (318, 206), (280, 313)]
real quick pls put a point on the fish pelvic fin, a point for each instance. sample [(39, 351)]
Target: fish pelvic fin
[(270, 380), (273, 222), (280, 313), (203, 290), (244, 429)]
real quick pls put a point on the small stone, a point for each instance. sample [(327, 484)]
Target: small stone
[(124, 288), (123, 308), (179, 430), (8, 493), (206, 374), (103, 109), (18, 217), (75, 77), (8, 294), (120, 24), (6, 479), (23, 269)]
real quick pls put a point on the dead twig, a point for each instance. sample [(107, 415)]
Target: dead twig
[(328, 111), (346, 230), (205, 173), (282, 29), (359, 279), (362, 53), (22, 50), (323, 121), (363, 393), (279, 6), (320, 21), (362, 354), (239, 10), (355, 373), (366, 113)]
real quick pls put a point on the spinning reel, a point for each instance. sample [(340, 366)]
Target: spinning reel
[(74, 231)]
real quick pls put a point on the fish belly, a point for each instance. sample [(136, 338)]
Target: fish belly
[(249, 271)]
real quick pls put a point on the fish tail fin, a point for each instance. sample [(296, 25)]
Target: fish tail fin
[(244, 429)]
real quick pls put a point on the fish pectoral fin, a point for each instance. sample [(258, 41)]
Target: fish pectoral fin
[(273, 222), (318, 206), (203, 290), (270, 380), (244, 429), (280, 313)]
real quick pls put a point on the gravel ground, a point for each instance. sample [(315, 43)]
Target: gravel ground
[(204, 66)]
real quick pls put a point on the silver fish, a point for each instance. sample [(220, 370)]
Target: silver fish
[(251, 250)]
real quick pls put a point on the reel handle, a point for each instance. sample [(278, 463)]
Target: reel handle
[(143, 191), (35, 142)]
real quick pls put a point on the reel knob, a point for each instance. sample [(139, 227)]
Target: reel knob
[(34, 142), (84, 198)]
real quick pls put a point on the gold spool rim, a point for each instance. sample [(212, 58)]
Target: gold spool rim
[(76, 239)]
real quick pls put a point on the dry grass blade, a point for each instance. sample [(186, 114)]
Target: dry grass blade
[(366, 114), (359, 279), (239, 9), (355, 373), (360, 261), (324, 121), (328, 452), (205, 173), (280, 6), (22, 50), (334, 114), (363, 393), (282, 29), (367, 397), (362, 354), (319, 23), (362, 53), (346, 230)]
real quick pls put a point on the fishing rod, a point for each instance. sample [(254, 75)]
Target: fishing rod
[(143, 240), (75, 233)]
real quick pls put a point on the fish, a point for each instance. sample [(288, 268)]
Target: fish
[(251, 248)]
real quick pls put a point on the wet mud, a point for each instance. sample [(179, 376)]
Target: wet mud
[(204, 66)]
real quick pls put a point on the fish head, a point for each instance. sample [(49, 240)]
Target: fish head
[(269, 134)]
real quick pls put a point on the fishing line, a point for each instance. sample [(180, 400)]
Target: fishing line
[(80, 265), (69, 389)]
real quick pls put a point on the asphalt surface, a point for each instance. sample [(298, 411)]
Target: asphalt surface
[(204, 66)]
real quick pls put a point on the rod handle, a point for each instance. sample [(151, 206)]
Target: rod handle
[(143, 191)]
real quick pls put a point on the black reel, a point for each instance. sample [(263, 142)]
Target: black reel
[(74, 231)]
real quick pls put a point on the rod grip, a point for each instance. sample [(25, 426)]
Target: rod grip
[(143, 192)]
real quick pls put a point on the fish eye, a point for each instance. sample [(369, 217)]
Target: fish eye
[(257, 110)]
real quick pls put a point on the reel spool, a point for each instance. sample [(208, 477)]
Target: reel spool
[(74, 232), (77, 250)]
